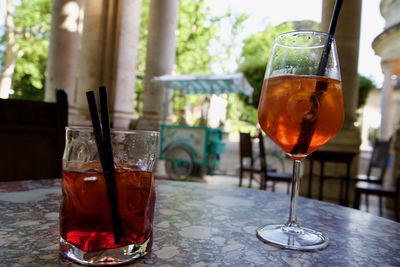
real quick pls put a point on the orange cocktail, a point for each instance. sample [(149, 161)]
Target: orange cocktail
[(300, 109), (285, 102)]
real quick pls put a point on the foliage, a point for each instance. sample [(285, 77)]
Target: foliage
[(254, 58), (2, 45), (241, 116), (253, 62), (304, 25), (365, 86), (141, 58), (198, 29), (32, 28), (256, 52), (195, 30)]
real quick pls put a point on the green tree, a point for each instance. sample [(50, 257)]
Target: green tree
[(31, 28), (32, 21), (2, 50), (198, 30), (254, 58), (253, 63), (365, 87)]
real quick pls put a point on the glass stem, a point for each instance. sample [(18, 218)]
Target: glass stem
[(292, 221)]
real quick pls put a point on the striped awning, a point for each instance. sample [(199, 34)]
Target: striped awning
[(210, 84)]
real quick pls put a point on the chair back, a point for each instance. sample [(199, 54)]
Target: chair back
[(262, 155), (397, 182), (379, 159), (245, 148), (32, 138)]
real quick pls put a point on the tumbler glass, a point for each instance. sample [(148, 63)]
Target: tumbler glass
[(87, 227)]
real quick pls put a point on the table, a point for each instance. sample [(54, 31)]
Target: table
[(202, 225), (324, 156)]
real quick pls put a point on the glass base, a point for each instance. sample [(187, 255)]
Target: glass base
[(115, 256), (296, 238)]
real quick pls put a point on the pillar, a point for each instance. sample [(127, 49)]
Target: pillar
[(386, 129), (63, 50), (163, 19), (347, 37), (396, 155), (107, 56), (127, 43), (91, 60)]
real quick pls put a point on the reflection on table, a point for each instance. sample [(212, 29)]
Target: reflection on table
[(202, 225)]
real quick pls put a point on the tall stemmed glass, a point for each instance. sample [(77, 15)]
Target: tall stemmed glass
[(300, 109)]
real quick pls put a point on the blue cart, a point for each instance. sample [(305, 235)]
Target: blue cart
[(189, 150), (196, 150)]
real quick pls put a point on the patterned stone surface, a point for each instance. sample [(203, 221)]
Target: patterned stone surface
[(201, 225)]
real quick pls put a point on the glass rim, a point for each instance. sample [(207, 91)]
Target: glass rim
[(279, 38), (113, 130)]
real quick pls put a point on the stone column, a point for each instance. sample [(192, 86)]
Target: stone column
[(347, 37), (160, 60), (386, 129), (91, 58), (107, 57), (126, 46), (396, 156), (62, 60)]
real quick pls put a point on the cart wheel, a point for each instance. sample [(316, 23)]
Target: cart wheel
[(178, 163), (275, 162)]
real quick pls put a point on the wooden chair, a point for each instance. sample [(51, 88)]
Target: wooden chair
[(370, 184), (246, 158), (380, 190), (323, 157), (32, 138), (268, 175), (377, 163)]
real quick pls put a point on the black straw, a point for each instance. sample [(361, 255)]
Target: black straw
[(331, 32), (335, 16), (103, 141), (95, 119), (309, 120)]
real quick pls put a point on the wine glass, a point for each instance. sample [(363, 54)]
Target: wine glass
[(300, 109)]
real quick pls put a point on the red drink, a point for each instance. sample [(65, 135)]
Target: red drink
[(85, 215), (285, 101)]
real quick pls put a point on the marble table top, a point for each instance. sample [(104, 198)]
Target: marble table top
[(201, 225)]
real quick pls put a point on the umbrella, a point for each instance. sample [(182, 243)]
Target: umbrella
[(206, 84)]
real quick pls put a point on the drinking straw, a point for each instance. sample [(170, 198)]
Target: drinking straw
[(95, 120), (309, 120), (103, 142), (331, 32), (109, 170)]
